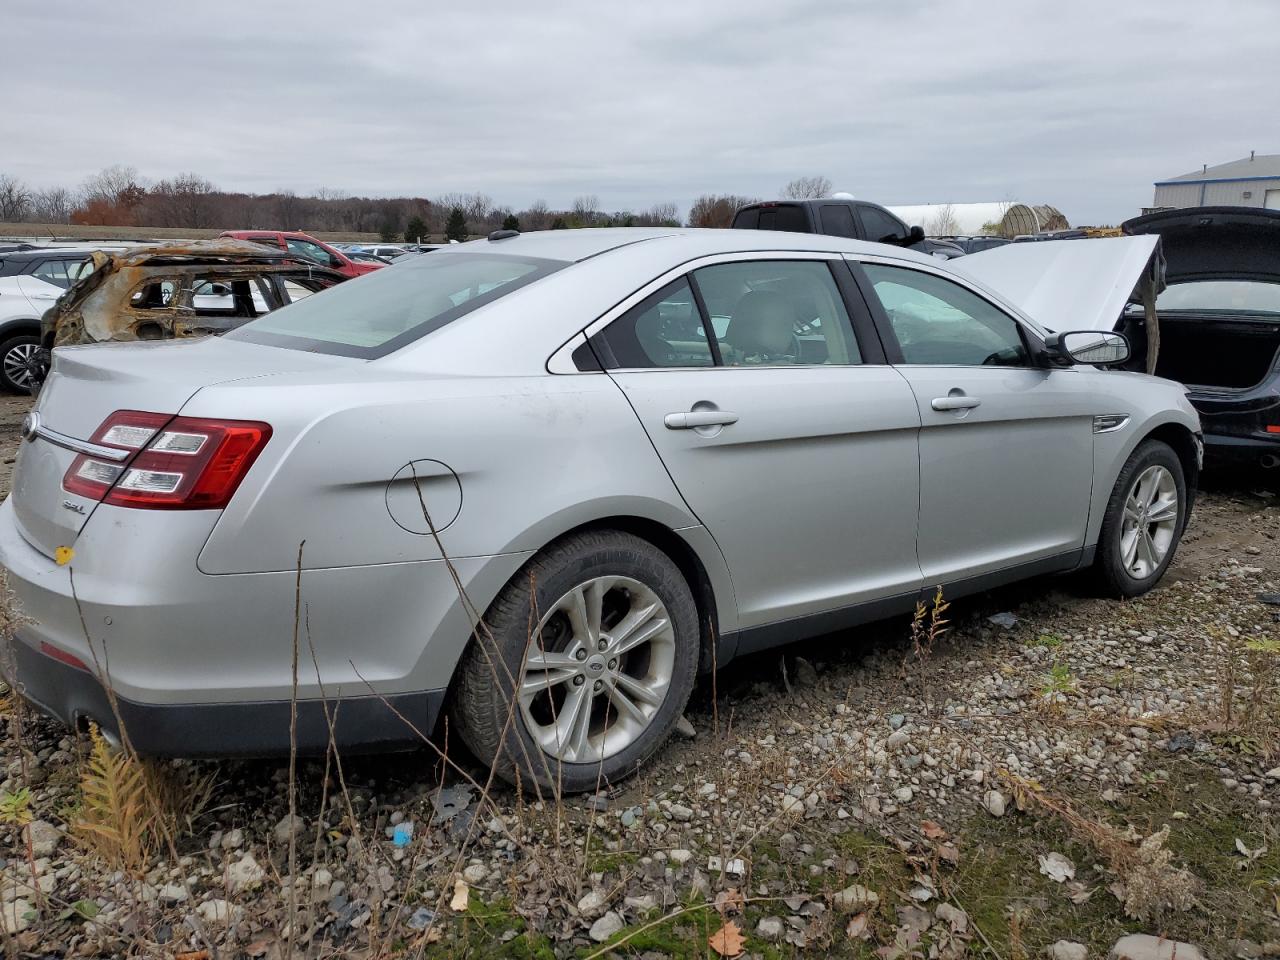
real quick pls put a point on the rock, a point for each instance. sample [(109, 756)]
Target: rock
[(854, 899), (14, 916), (897, 739), (1057, 867), (806, 673), (954, 917), (1068, 950), (1244, 949), (685, 729), (994, 802), (173, 893), (421, 919), (641, 904), (606, 927), (1140, 946), (214, 911), (592, 905), (289, 827), (44, 838), (769, 929), (475, 873), (680, 812), (903, 794), (896, 721), (597, 802), (1006, 620), (244, 874), (680, 857), (233, 839), (793, 806)]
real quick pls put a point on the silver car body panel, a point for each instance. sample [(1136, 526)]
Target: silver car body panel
[(809, 503)]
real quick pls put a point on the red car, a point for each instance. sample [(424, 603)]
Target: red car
[(306, 248)]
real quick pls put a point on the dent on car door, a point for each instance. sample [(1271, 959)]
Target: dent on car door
[(1006, 445), (797, 455)]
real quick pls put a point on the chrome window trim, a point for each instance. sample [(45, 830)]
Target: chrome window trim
[(95, 450)]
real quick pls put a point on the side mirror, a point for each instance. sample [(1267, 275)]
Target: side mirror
[(219, 290), (1089, 346), (915, 234)]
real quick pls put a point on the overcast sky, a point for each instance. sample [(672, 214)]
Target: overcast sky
[(1080, 104)]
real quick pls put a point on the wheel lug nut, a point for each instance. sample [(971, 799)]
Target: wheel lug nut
[(603, 645), (613, 664), (579, 680), (581, 655), (599, 685)]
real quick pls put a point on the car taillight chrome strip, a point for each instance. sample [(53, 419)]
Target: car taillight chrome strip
[(95, 450)]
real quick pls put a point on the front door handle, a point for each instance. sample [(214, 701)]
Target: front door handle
[(693, 419), (955, 403)]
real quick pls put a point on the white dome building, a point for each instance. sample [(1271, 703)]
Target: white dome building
[(1005, 219)]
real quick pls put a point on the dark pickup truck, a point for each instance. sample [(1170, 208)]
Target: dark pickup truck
[(839, 217)]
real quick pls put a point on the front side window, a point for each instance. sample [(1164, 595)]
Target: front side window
[(937, 321), (387, 309), (311, 251), (881, 226), (758, 313)]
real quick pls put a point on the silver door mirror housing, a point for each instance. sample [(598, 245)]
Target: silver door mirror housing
[(1089, 346)]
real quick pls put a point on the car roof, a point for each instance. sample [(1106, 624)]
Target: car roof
[(46, 253), (577, 245)]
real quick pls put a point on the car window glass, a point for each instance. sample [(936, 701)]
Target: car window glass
[(937, 321), (311, 251), (786, 216), (155, 295), (1251, 297), (296, 291), (881, 226), (390, 308), (243, 298), (837, 220), (55, 272), (663, 330), (777, 312), (79, 269)]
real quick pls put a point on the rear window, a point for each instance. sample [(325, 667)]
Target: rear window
[(1247, 297), (784, 217), (381, 312)]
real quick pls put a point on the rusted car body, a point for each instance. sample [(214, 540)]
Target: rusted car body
[(179, 290)]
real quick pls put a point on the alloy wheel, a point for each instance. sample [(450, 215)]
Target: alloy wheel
[(597, 669), (1150, 522), (18, 362)]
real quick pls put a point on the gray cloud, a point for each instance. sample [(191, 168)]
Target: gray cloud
[(1081, 105)]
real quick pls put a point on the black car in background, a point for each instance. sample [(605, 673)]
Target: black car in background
[(1219, 323), (841, 217), (976, 244)]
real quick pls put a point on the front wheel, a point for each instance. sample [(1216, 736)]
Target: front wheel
[(587, 663), (1144, 521)]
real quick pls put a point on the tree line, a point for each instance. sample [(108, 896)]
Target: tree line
[(118, 196)]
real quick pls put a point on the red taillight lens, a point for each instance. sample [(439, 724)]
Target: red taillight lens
[(1273, 428), (178, 463)]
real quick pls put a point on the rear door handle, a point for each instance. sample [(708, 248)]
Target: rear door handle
[(956, 403), (693, 419)]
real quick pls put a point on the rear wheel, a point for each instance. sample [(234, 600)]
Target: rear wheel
[(1144, 520), (18, 358), (588, 663)]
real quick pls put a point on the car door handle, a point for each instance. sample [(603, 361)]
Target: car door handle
[(699, 418), (955, 403)]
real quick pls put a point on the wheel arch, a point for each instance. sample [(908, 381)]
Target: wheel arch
[(1187, 447)]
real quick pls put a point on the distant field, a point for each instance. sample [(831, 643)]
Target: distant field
[(64, 231)]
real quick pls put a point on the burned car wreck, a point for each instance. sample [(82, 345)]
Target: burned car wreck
[(178, 291)]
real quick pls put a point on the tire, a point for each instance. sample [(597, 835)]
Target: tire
[(539, 617), (1129, 561), (16, 355)]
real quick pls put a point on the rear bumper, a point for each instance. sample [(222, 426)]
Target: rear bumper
[(241, 729), (1235, 425)]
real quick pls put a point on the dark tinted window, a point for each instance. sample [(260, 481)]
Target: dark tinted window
[(837, 220), (784, 217), (881, 226), (387, 309), (663, 330), (747, 219)]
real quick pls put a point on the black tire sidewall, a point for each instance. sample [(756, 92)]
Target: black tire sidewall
[(1115, 578), (549, 576), (5, 347)]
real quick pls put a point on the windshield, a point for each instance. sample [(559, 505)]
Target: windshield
[(381, 312), (1250, 297)]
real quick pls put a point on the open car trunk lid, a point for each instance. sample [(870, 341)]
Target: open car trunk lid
[(1070, 284), (87, 384), (1215, 243)]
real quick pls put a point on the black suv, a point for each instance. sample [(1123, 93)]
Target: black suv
[(839, 217)]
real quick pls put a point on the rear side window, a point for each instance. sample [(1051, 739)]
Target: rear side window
[(784, 217), (385, 310), (837, 221), (663, 330), (62, 273)]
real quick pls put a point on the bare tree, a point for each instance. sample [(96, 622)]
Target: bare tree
[(536, 217), (15, 199), (188, 200), (52, 206), (712, 210), (584, 209), (943, 223), (662, 215), (807, 188), (110, 184)]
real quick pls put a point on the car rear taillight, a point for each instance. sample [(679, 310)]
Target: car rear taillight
[(176, 463)]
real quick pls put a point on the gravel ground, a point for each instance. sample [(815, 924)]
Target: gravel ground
[(986, 792)]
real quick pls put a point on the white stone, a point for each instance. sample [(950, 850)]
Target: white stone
[(214, 911), (592, 905), (606, 927), (13, 916), (44, 838), (680, 857), (1068, 950), (854, 899), (244, 874), (1140, 946), (769, 929), (173, 893), (994, 802)]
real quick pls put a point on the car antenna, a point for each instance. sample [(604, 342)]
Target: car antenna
[(504, 234)]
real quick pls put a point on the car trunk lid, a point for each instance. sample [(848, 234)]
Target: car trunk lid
[(89, 383)]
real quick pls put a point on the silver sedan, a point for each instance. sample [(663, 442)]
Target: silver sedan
[(542, 482)]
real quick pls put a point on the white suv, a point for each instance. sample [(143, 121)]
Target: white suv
[(30, 281)]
